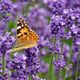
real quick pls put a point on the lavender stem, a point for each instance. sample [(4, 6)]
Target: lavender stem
[(3, 64)]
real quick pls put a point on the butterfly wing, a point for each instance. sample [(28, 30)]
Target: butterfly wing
[(26, 37)]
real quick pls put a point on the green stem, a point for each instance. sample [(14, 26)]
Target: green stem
[(50, 67), (51, 62), (49, 77), (76, 75), (62, 73), (30, 77), (3, 64), (69, 59), (61, 47), (57, 77)]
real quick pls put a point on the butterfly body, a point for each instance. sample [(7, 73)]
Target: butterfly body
[(26, 37)]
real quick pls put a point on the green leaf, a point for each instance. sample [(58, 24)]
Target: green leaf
[(51, 73), (11, 24), (47, 58), (64, 73), (42, 75), (68, 41)]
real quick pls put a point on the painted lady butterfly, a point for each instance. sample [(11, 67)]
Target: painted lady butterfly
[(26, 37)]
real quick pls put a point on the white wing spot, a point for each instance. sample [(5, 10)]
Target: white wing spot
[(18, 27)]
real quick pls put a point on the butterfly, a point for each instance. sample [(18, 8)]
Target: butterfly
[(26, 37)]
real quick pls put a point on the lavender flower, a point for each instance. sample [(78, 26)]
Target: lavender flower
[(75, 50), (38, 20), (72, 3), (66, 51), (55, 48), (57, 26), (59, 64), (33, 61), (9, 10), (1, 78), (68, 20), (6, 43), (65, 25), (3, 27), (5, 6), (18, 64), (25, 64)]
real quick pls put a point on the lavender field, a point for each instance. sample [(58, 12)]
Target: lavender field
[(49, 48)]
